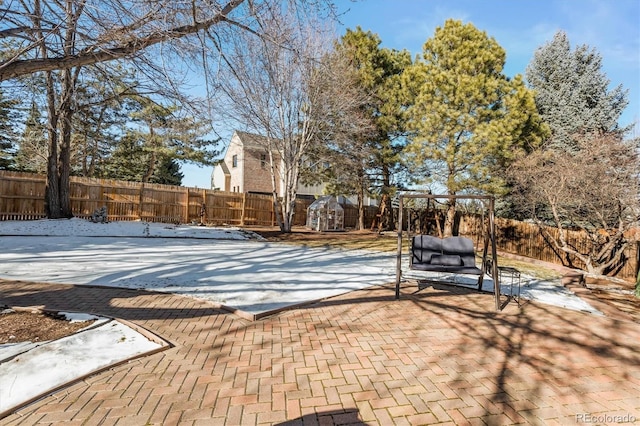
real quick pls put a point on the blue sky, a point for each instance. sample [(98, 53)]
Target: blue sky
[(612, 27)]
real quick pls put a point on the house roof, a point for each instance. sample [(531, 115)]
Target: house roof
[(250, 140)]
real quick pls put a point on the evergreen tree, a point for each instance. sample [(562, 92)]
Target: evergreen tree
[(31, 155), (571, 92), (101, 112), (8, 116), (362, 142), (167, 172), (379, 73), (157, 139), (129, 159), (164, 133), (468, 119)]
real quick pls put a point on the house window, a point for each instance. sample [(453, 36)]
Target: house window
[(263, 160), (234, 161)]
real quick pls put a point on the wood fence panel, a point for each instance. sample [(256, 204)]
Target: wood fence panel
[(21, 196), (258, 210), (86, 197), (526, 239), (163, 203), (196, 199), (122, 201), (351, 215), (300, 214), (224, 208)]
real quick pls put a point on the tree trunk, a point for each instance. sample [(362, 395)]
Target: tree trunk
[(64, 162), (151, 165), (52, 188), (286, 212), (387, 220), (277, 208), (290, 194), (288, 206), (450, 219), (361, 209)]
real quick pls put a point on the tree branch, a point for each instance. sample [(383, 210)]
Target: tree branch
[(95, 54)]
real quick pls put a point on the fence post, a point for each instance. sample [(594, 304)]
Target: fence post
[(204, 219), (637, 268), (273, 213), (186, 205), (102, 199), (244, 203), (140, 199)]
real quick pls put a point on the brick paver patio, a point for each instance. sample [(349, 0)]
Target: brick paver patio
[(437, 356)]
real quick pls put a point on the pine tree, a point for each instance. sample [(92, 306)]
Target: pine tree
[(100, 115), (157, 139), (31, 155), (167, 172), (7, 133), (572, 93), (129, 160), (379, 72), (469, 119), (166, 134)]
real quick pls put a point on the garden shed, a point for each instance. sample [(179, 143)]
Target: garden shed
[(325, 214)]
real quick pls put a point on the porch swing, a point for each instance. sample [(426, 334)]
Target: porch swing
[(455, 255)]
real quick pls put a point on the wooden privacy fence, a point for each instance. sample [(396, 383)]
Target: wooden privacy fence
[(526, 239), (22, 198)]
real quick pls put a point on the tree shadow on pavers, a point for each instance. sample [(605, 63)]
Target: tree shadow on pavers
[(128, 304), (440, 350), (527, 364), (335, 417), (531, 363)]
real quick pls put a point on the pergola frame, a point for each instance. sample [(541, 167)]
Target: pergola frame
[(489, 237)]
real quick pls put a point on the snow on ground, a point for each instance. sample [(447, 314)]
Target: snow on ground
[(250, 275), (227, 266), (530, 288), (83, 228), (32, 369)]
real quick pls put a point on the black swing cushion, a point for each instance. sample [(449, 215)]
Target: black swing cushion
[(452, 254), (446, 260)]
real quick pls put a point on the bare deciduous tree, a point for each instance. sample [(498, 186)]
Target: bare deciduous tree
[(102, 30), (278, 87), (58, 38), (596, 190), (346, 129)]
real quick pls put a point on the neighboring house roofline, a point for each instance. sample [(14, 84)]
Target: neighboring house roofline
[(224, 167), (253, 141), (249, 141)]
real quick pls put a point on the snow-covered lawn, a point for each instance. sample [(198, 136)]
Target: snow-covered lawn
[(227, 266)]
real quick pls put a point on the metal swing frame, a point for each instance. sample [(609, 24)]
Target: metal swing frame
[(489, 238)]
